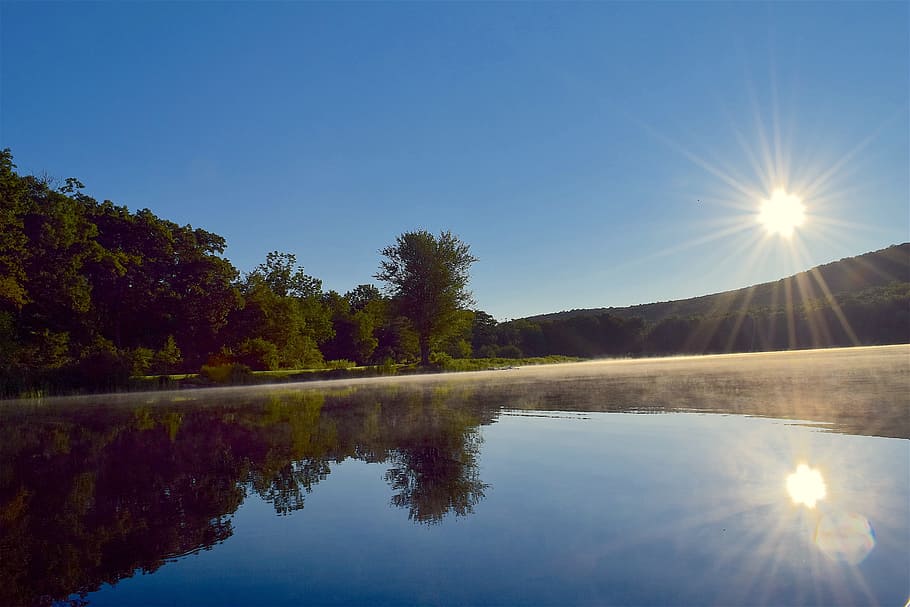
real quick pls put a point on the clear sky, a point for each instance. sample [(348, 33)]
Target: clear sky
[(591, 154)]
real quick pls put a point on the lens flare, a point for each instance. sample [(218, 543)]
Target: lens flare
[(845, 536), (806, 486), (782, 213)]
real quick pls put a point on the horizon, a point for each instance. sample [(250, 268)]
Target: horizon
[(585, 167)]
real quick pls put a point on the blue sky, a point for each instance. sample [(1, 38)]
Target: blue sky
[(591, 154)]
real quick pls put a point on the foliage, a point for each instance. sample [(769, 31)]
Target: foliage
[(498, 362), (879, 315), (229, 373), (340, 364), (483, 333), (355, 327), (387, 366), (397, 340), (510, 351), (456, 342), (258, 354), (141, 361), (167, 358), (441, 360), (102, 367), (428, 278), (14, 194), (282, 306)]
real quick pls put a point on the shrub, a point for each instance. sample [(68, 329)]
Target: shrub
[(259, 354), (102, 367), (387, 366), (457, 348), (230, 373), (341, 363), (141, 360), (441, 360), (300, 352), (167, 358), (223, 357)]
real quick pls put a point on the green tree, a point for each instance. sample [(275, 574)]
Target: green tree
[(361, 296), (483, 333), (258, 354), (284, 306), (167, 357), (428, 277), (13, 241), (354, 331), (284, 278), (457, 341)]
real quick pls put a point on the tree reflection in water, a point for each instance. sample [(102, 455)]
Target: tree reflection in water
[(434, 471), (92, 494)]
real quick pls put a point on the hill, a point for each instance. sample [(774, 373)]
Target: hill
[(863, 300), (851, 275)]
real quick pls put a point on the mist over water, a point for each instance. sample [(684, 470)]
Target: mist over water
[(741, 479)]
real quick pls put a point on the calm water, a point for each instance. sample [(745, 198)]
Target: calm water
[(627, 483)]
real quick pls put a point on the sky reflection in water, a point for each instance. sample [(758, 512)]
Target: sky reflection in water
[(472, 491)]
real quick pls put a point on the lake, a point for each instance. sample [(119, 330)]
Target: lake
[(773, 478)]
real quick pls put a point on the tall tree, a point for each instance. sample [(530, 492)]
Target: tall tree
[(428, 277)]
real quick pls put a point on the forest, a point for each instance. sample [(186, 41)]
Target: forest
[(93, 294)]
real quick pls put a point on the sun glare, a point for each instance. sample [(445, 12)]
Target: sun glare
[(782, 213), (806, 486)]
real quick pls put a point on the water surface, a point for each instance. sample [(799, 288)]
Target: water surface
[(630, 482)]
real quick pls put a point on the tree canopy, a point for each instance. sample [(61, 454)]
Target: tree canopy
[(428, 277)]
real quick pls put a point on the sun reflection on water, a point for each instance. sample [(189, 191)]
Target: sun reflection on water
[(806, 486), (839, 535)]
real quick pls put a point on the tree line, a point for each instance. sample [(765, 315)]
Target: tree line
[(92, 294), (875, 316)]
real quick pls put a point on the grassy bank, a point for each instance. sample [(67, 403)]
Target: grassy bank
[(234, 375)]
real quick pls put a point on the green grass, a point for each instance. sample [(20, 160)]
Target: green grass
[(482, 364), (444, 364)]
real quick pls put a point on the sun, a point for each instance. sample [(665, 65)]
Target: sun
[(782, 213)]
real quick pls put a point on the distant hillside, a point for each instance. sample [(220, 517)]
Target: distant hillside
[(849, 275)]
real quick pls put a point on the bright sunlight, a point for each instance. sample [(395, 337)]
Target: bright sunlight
[(806, 486), (782, 213)]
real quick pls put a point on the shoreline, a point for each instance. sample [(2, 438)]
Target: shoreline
[(528, 371)]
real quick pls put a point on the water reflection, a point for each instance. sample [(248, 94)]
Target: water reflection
[(806, 486), (95, 491), (841, 536), (93, 494), (845, 536)]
